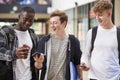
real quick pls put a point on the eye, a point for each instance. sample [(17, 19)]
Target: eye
[(55, 22), (52, 23), (24, 19)]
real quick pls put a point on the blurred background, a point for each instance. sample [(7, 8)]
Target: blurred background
[(81, 17)]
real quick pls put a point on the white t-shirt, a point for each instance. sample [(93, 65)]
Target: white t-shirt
[(22, 69), (104, 62)]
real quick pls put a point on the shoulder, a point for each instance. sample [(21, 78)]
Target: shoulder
[(31, 30), (34, 36), (118, 28), (89, 33), (6, 29), (93, 29), (73, 39), (45, 38)]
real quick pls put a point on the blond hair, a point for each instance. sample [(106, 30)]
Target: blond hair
[(102, 5)]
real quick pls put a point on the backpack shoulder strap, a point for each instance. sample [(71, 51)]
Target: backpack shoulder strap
[(71, 45), (72, 40), (118, 39), (94, 32)]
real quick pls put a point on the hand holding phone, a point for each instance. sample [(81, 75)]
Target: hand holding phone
[(39, 58), (84, 67), (22, 52)]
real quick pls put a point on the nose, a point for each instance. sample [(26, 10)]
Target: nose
[(28, 23), (52, 24), (96, 17)]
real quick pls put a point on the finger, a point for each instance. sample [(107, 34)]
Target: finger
[(86, 69), (25, 50), (23, 56), (82, 64), (36, 58), (42, 58), (25, 46), (23, 53)]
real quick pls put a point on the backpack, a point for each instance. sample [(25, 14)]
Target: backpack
[(9, 31), (6, 66), (94, 33)]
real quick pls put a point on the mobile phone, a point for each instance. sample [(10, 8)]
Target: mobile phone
[(36, 53)]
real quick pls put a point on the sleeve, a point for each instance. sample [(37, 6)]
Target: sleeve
[(41, 45), (86, 54), (78, 52), (5, 53)]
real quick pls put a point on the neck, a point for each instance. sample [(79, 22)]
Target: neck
[(17, 27), (109, 25), (60, 35)]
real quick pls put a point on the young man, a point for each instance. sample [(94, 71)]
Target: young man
[(59, 50), (104, 62), (17, 44)]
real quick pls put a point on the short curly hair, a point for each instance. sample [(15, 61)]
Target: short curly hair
[(102, 5)]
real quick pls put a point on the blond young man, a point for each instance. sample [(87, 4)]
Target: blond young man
[(104, 62)]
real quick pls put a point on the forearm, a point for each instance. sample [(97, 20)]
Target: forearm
[(80, 73)]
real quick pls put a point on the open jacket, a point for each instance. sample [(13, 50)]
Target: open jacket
[(8, 45), (73, 54)]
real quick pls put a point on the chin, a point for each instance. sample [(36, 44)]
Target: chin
[(100, 24)]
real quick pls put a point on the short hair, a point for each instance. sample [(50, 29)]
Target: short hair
[(63, 16), (28, 9), (102, 5)]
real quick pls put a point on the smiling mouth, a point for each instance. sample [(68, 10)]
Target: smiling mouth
[(27, 26), (100, 21), (54, 29)]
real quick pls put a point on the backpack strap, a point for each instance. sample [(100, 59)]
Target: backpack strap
[(118, 39), (94, 33), (70, 59), (71, 44)]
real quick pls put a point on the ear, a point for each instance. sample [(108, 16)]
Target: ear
[(64, 23), (109, 13), (19, 16)]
